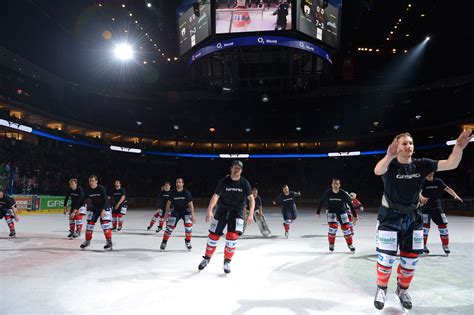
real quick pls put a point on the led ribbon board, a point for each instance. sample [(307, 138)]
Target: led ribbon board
[(261, 41)]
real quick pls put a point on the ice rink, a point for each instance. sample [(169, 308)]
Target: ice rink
[(42, 272)]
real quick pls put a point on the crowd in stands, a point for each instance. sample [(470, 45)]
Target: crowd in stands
[(46, 167)]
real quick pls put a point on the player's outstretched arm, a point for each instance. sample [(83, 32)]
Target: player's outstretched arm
[(456, 155)]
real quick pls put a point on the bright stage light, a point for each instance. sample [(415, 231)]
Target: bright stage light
[(427, 38), (123, 51)]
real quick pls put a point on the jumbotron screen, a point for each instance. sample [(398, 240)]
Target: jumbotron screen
[(321, 22), (243, 16), (194, 27)]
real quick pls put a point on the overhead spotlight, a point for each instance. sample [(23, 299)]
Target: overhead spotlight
[(427, 38), (248, 130), (175, 58), (113, 19), (148, 4), (139, 123), (100, 4), (405, 51), (298, 128), (123, 5), (123, 51), (407, 35), (130, 14), (377, 50), (336, 127), (418, 117), (375, 123), (370, 49), (422, 15), (168, 59), (399, 20), (265, 98), (176, 127), (212, 129), (144, 62)]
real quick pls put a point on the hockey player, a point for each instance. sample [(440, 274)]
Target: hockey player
[(118, 202), (357, 204), (336, 200), (399, 223), (98, 199), (433, 189), (8, 210), (160, 209), (258, 215), (230, 197), (288, 207), (281, 13), (183, 208), (77, 209)]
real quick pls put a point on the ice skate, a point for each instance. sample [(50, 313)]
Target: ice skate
[(163, 246), (446, 249), (203, 263), (379, 301), (404, 297), (108, 245), (85, 244), (188, 245), (12, 234), (352, 248), (331, 247), (70, 235), (227, 266)]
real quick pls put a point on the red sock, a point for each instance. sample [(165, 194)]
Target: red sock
[(426, 231), (114, 220), (406, 269), (230, 245), (106, 229), (167, 234), (72, 225), (211, 245), (188, 228), (89, 229), (347, 233), (153, 219), (384, 269), (443, 233), (10, 222), (287, 227), (332, 233), (78, 219), (120, 220)]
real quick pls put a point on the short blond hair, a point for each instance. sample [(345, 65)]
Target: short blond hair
[(404, 134)]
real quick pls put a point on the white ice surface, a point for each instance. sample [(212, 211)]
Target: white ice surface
[(41, 272)]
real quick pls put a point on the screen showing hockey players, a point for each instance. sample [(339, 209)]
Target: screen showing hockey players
[(237, 16), (319, 19), (194, 26)]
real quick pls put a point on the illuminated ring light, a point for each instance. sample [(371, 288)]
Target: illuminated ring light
[(261, 41), (28, 129)]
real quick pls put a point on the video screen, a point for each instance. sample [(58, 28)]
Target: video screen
[(319, 19), (194, 26), (240, 16)]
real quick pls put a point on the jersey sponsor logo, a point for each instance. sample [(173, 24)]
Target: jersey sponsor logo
[(408, 176), (94, 195), (335, 199), (288, 199), (418, 239), (387, 240), (234, 189), (431, 187), (179, 198)]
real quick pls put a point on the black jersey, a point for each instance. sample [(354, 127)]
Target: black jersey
[(180, 199), (287, 202), (402, 183), (97, 196), (336, 202), (115, 195), (233, 193), (162, 199), (6, 203), (76, 196), (433, 190)]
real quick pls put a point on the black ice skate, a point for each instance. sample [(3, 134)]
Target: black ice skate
[(163, 246), (113, 229), (188, 245), (119, 229), (287, 234), (331, 247), (108, 245), (379, 301), (85, 244), (426, 250), (70, 235), (352, 248), (403, 297), (446, 249), (158, 229), (76, 235), (12, 234), (226, 266), (148, 228), (204, 263)]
